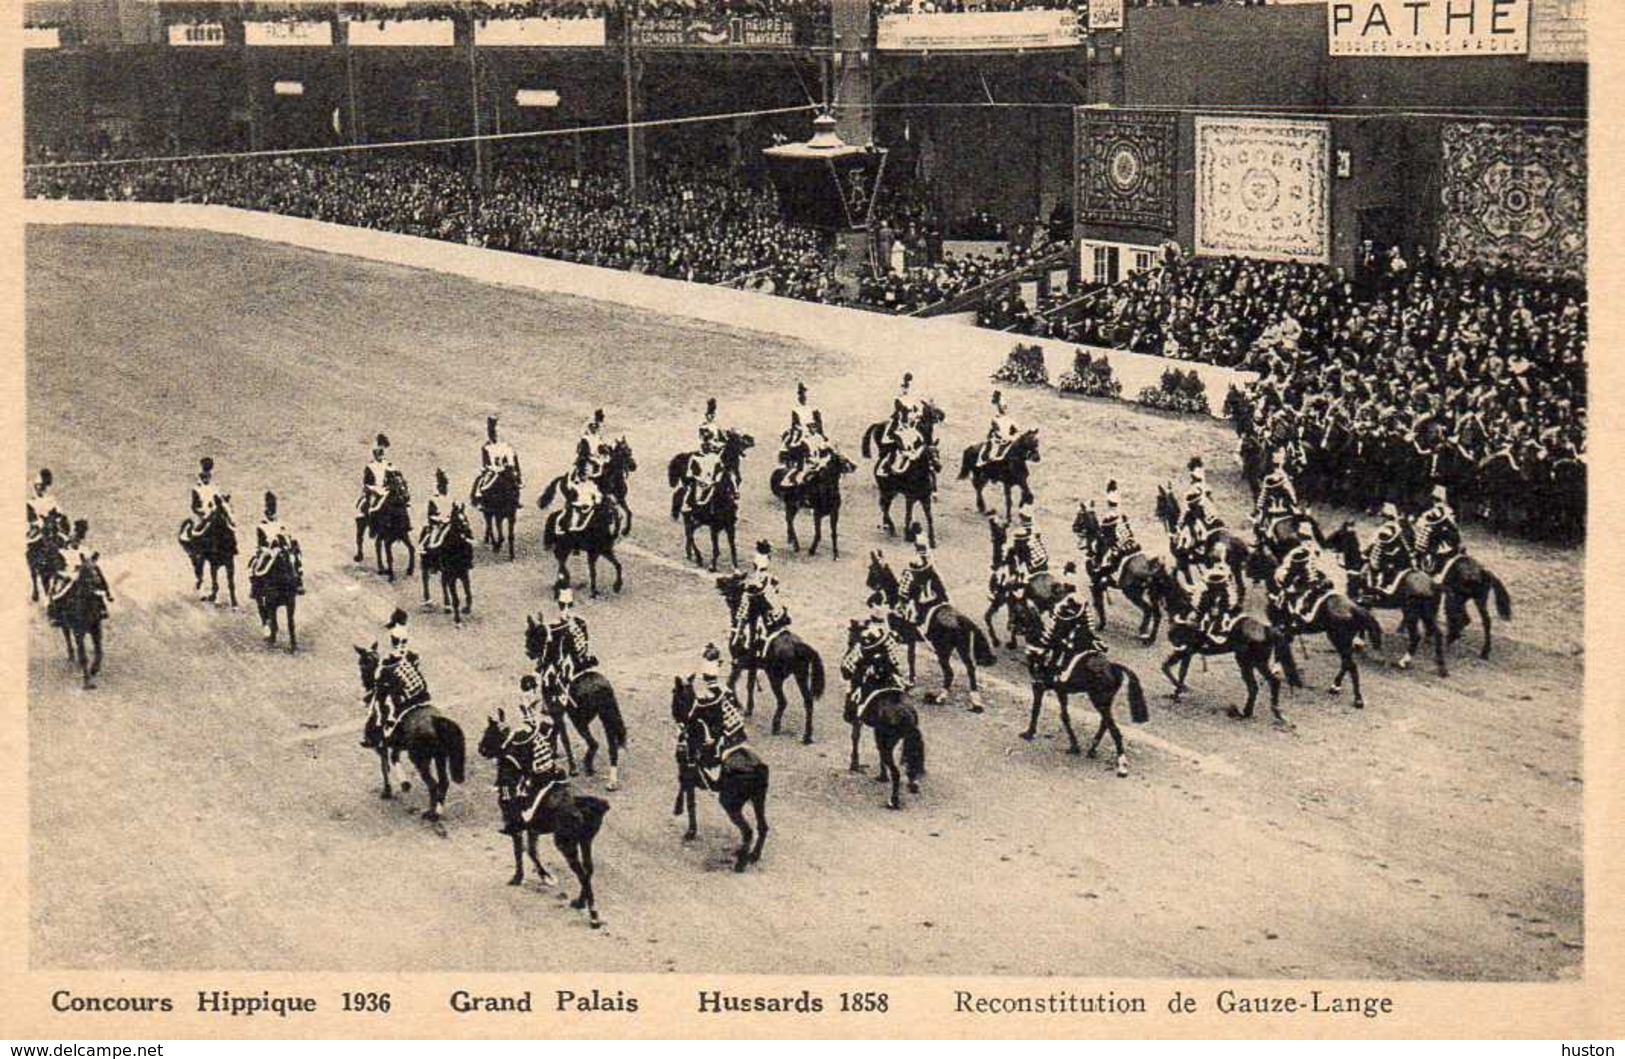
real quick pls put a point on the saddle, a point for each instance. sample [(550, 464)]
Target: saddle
[(262, 562), (433, 537), (1068, 668), (1305, 607), (1110, 571)]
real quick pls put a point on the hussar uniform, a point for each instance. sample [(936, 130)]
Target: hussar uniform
[(761, 614), (1200, 519), (920, 590), (1002, 432), (568, 654), (873, 665), (414, 689), (1277, 497), (582, 497), (272, 539), (715, 726), (1438, 535), (1388, 554), (1071, 633), (592, 449), (1026, 554), (1303, 583), (1116, 541), (437, 516), (1219, 603)]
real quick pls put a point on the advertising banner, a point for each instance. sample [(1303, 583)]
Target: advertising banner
[(978, 31), (1557, 31), (411, 33), (198, 35), (1106, 14), (541, 32), (1428, 29), (742, 32), (288, 34)]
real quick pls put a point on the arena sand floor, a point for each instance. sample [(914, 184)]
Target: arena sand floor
[(208, 806)]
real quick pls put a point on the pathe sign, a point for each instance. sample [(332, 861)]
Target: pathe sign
[(1424, 29)]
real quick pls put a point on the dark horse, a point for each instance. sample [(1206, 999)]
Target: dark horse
[(1344, 622), (79, 609), (916, 483), (895, 722), (390, 524), (1414, 595), (1466, 580), (742, 780), (784, 656), (1132, 576), (589, 697), (1093, 675), (452, 557), (1003, 589), (947, 631), (495, 494), (214, 543), (573, 824), (1009, 470), (1283, 533), (1255, 645), (427, 736), (596, 540), (612, 481), (1228, 545), (720, 511), (44, 553), (819, 493), (273, 585)]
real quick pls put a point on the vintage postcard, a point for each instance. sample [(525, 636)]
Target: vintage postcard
[(810, 518)]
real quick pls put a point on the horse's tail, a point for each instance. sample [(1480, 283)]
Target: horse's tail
[(1368, 626), (550, 534), (981, 650), (1136, 694), (675, 469), (609, 711), (815, 671), (871, 439), (545, 501), (592, 812), (451, 737), (967, 463), (1283, 655), (1503, 598), (914, 753), (775, 482)]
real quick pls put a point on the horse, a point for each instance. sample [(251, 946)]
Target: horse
[(895, 723), (1229, 546), (273, 584), (1466, 580), (1041, 587), (214, 543), (1254, 644), (613, 479), (820, 493), (1093, 675), (784, 656), (1132, 576), (1344, 623), (1414, 595), (720, 511), (78, 609), (495, 495), (390, 523), (916, 483), (1009, 470), (44, 551), (452, 558), (589, 697), (573, 825), (595, 540), (429, 738), (1283, 533), (742, 780), (947, 631)]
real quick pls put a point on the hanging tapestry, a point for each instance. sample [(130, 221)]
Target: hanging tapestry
[(1514, 198), (1261, 188), (1126, 168)]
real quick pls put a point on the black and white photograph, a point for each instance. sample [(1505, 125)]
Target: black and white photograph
[(1062, 490)]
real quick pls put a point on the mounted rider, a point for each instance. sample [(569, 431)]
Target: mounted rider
[(497, 458), (592, 450), (761, 614), (1197, 525), (77, 563), (402, 662), (1116, 540), (805, 447), (204, 499), (437, 517), (1388, 555), (543, 789), (906, 408), (715, 727), (873, 665), (704, 468), (1002, 432), (568, 653), (1438, 534), (920, 590), (581, 497), (1277, 497), (375, 479), (1303, 584), (42, 504), (1070, 635), (1025, 554), (1219, 603), (273, 539)]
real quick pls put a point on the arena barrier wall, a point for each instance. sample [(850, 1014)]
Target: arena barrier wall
[(850, 330)]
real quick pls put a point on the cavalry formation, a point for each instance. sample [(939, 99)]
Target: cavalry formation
[(1056, 615)]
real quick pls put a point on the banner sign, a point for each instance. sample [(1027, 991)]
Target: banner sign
[(288, 34), (741, 32), (541, 32), (1428, 29), (1106, 14), (1557, 31), (198, 35), (42, 37), (410, 33), (978, 31)]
